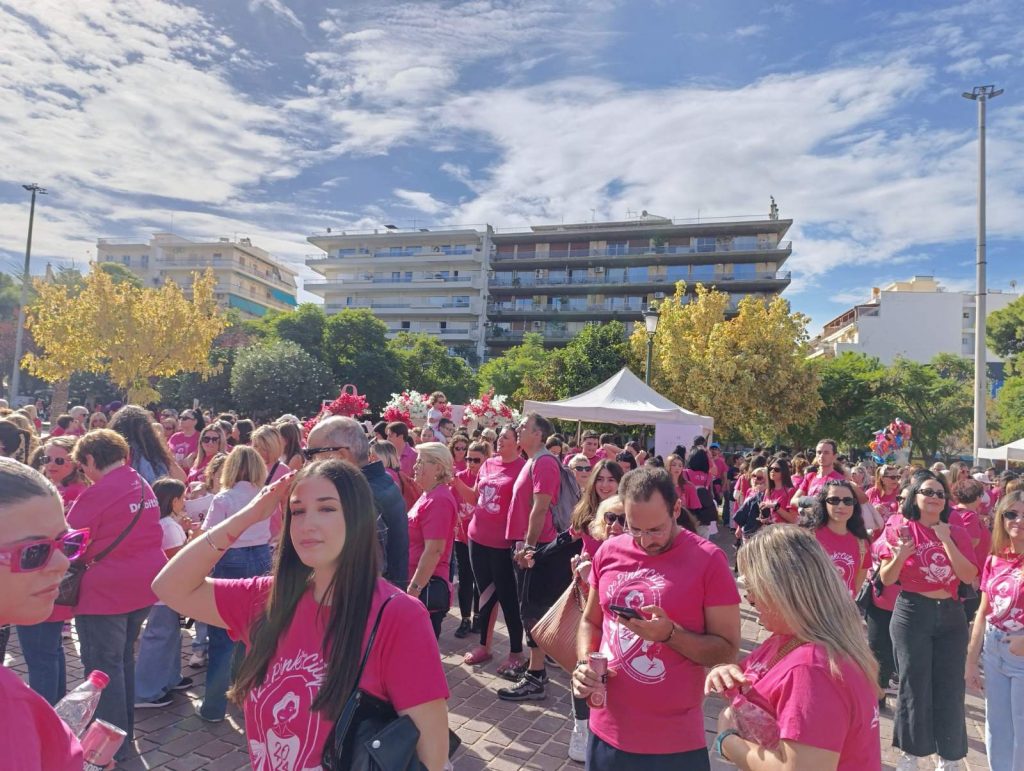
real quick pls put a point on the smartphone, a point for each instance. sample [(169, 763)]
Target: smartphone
[(625, 612), (905, 532)]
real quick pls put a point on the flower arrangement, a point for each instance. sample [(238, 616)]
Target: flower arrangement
[(392, 414), (410, 404), (349, 404), (490, 411)]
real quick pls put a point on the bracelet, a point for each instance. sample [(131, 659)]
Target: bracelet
[(721, 738), (670, 635), (415, 586), (212, 544)]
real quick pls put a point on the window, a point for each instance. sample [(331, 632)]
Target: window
[(408, 275), (406, 325), (618, 247), (126, 260), (461, 301), (144, 260), (443, 324), (396, 275), (705, 244)]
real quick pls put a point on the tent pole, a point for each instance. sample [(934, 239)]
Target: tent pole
[(579, 432)]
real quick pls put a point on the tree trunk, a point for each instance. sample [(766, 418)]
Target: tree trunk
[(59, 402)]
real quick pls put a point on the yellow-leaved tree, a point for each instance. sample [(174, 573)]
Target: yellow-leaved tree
[(132, 334), (749, 372)]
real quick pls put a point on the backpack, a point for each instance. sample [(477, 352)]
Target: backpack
[(568, 494), (708, 512)]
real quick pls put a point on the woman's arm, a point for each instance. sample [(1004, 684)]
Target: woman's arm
[(464, 491), (184, 582), (892, 567), (972, 673), (964, 569), (433, 548), (432, 721), (789, 756)]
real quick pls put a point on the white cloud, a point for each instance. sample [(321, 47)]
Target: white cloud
[(424, 202), (751, 30), (278, 8)]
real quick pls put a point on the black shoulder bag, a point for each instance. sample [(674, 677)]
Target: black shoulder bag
[(71, 584), (369, 735)]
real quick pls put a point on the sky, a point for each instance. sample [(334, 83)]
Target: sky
[(274, 119)]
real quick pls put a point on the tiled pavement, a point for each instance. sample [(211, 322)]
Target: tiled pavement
[(496, 735)]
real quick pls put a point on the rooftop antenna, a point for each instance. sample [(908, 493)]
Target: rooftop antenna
[(593, 215)]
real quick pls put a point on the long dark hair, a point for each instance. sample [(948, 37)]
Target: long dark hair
[(292, 436), (15, 442), (818, 517), (699, 461), (133, 423), (787, 476), (910, 509), (350, 594), (586, 507)]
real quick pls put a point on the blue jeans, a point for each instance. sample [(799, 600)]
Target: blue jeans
[(43, 649), (243, 562), (199, 642), (1004, 701), (159, 662), (108, 644)]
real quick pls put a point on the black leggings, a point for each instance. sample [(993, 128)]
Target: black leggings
[(880, 642), (469, 597), (496, 583)]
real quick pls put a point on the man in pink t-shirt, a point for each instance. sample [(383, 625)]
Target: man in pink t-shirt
[(825, 459), (542, 572), (398, 435), (663, 606)]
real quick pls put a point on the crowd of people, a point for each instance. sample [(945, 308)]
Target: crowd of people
[(316, 563)]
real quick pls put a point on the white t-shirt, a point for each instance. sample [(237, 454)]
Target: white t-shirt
[(197, 507)]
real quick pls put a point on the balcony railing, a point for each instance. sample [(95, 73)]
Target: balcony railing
[(458, 308), (629, 251), (370, 279), (198, 263), (497, 308), (428, 251), (506, 279)]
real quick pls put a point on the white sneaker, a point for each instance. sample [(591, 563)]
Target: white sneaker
[(197, 659), (578, 741), (948, 765), (908, 762)]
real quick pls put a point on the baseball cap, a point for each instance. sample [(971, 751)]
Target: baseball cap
[(715, 446)]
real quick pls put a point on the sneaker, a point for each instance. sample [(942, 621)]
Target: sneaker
[(892, 688), (475, 629), (948, 765), (205, 719), (578, 741), (530, 688), (183, 685), (162, 701), (465, 628), (197, 659), (908, 762), (65, 631)]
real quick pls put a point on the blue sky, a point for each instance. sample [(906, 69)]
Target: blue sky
[(277, 118)]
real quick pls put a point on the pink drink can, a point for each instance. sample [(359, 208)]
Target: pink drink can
[(598, 663), (100, 743)]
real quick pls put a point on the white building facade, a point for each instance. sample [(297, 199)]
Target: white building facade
[(915, 320), (249, 279)]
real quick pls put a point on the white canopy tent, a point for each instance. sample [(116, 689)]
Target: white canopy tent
[(624, 399), (1012, 451)]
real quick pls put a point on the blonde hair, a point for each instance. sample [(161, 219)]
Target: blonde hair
[(211, 473), (386, 453), (598, 527), (24, 422), (787, 570), (268, 441), (244, 464), (1000, 540), (439, 454)]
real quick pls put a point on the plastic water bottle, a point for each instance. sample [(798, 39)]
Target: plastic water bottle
[(77, 708)]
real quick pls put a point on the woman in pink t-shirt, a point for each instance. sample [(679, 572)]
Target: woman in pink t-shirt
[(212, 441), (780, 491), (885, 491), (815, 674), (491, 555), (930, 559), (463, 485), (306, 625), (836, 522), (685, 489), (61, 469), (999, 627), (458, 446), (35, 547), (432, 521), (184, 441), (970, 513)]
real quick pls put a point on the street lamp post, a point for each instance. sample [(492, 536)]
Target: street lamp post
[(981, 95), (651, 317), (19, 334)]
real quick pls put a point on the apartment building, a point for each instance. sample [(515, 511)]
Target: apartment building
[(915, 319), (249, 279), (420, 280)]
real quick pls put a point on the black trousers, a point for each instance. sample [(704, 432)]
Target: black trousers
[(469, 597), (881, 642), (929, 638), (496, 583), (602, 756)]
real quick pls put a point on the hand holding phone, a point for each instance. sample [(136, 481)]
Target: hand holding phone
[(626, 612)]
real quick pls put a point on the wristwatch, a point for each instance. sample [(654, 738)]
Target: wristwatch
[(415, 586), (721, 738)]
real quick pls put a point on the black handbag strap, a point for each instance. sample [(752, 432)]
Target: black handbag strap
[(124, 533), (369, 642)]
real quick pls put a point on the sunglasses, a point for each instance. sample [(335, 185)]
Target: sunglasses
[(760, 479), (35, 555), (461, 449), (45, 459), (309, 454), (611, 518), (775, 468), (211, 439), (1010, 516), (582, 468), (929, 493), (474, 460), (835, 500), (891, 476), (187, 417)]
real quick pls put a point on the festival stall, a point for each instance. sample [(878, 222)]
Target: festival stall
[(1012, 452), (624, 399)]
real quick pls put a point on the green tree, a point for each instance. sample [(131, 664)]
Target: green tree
[(427, 366), (277, 377), (303, 326), (1004, 331), (590, 358), (120, 274), (1009, 409), (355, 347), (853, 405), (511, 372)]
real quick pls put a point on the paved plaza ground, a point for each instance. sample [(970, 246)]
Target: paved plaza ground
[(496, 735)]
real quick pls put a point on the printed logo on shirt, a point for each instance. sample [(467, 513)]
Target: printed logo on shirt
[(489, 500), (284, 703), (934, 563), (1002, 591), (846, 566), (875, 718), (636, 657)]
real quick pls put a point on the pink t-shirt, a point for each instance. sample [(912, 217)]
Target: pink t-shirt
[(32, 736), (182, 446), (812, 483), (688, 494), (406, 460), (699, 478), (928, 568), (659, 692), (590, 545), (433, 518), (719, 467), (976, 531), (782, 495), (816, 708), (198, 472), (494, 496), (1002, 580), (847, 552), (886, 505), (887, 599), (120, 582), (404, 668), (460, 465), (277, 470), (541, 475), (465, 509), (69, 493)]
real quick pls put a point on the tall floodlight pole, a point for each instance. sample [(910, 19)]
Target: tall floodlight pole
[(19, 334), (981, 95), (651, 317)]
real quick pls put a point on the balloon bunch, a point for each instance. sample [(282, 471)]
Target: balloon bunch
[(890, 440)]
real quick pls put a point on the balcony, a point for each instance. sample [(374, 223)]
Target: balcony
[(459, 254), (504, 283), (538, 312), (624, 256), (450, 334), (390, 307), (218, 263), (367, 282)]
